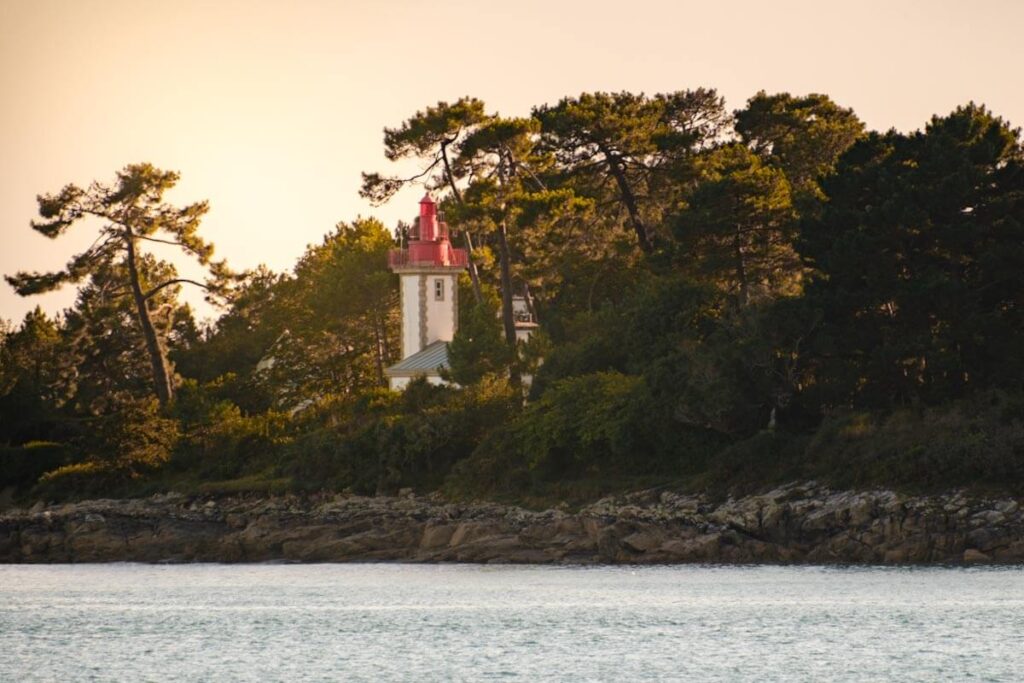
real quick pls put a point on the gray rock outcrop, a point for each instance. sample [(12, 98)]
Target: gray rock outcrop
[(797, 523)]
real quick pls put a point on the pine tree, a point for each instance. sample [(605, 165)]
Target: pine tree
[(131, 212)]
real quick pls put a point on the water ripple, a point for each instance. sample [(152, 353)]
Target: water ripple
[(126, 622)]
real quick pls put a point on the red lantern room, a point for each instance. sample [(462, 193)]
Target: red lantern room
[(428, 245)]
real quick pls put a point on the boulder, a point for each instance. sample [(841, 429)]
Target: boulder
[(973, 556)]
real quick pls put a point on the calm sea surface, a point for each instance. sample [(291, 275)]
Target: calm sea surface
[(129, 622)]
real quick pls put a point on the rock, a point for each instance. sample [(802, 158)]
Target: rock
[(972, 556), (700, 549), (643, 541), (437, 536), (994, 517), (983, 538), (801, 522), (1011, 553), (236, 520), (1008, 507), (895, 556), (608, 545), (471, 531)]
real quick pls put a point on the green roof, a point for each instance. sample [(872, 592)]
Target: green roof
[(429, 360)]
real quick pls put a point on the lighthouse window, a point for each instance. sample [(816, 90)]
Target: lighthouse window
[(438, 290)]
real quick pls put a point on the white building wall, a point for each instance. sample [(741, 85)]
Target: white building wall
[(419, 297), (410, 314), (400, 383), (442, 317)]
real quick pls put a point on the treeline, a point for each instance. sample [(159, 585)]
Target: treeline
[(726, 300)]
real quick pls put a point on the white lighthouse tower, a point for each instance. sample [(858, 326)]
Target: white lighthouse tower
[(429, 270)]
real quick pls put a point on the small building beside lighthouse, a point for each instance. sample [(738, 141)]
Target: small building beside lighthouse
[(428, 267)]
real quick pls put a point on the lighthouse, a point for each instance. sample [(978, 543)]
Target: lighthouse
[(428, 268)]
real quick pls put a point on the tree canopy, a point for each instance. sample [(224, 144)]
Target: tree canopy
[(725, 300), (131, 211)]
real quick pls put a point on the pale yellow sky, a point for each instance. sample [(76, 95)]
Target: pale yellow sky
[(271, 109)]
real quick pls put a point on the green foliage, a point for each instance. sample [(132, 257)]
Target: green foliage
[(383, 441), (802, 136), (102, 338), (763, 459), (220, 442), (726, 305), (121, 448), (652, 318), (738, 228), (22, 466), (136, 440), (426, 135), (260, 312), (88, 479), (132, 212), (342, 324), (598, 427), (478, 348), (631, 149), (591, 421), (31, 379), (974, 443), (707, 365), (918, 254)]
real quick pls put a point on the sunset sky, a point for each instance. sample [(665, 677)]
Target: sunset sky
[(271, 109)]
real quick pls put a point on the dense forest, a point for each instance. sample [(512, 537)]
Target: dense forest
[(726, 300)]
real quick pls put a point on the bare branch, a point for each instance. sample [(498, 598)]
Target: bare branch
[(155, 239), (148, 295)]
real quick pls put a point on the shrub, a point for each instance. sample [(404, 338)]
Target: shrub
[(224, 444), (89, 479), (386, 441), (760, 461), (137, 439), (602, 427), (974, 442), (21, 466)]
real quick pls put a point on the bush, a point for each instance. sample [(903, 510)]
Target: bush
[(758, 462), (137, 439), (603, 428), (21, 466), (977, 442), (385, 441), (586, 424), (89, 479), (224, 444)]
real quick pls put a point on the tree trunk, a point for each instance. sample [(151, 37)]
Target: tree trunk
[(157, 359), (507, 314), (474, 276), (379, 334), (529, 303), (383, 317), (741, 271), (629, 199)]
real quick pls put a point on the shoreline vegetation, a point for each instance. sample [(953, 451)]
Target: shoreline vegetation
[(728, 302), (800, 523)]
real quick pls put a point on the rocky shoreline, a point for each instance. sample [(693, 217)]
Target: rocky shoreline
[(797, 523)]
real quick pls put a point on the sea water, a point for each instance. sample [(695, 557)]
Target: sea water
[(381, 622)]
